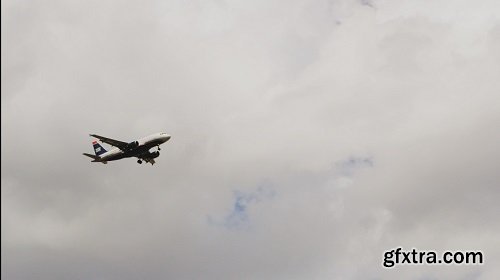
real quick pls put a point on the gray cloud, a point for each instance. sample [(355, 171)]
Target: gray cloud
[(307, 138)]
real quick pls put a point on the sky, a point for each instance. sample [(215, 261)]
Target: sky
[(308, 137)]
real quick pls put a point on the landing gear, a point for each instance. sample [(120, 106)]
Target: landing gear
[(139, 161), (159, 148)]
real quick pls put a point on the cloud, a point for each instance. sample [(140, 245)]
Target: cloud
[(315, 135)]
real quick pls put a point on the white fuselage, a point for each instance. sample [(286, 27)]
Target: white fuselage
[(144, 144)]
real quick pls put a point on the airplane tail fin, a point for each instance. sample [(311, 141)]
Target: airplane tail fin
[(98, 149)]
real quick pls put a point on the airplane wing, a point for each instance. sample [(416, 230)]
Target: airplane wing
[(119, 144), (148, 157)]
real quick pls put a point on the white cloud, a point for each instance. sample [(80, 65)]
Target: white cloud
[(403, 93)]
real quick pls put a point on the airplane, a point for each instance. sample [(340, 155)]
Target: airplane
[(139, 148)]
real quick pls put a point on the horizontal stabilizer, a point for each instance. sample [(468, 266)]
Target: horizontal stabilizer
[(91, 156)]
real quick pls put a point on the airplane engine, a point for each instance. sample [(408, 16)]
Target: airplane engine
[(132, 145), (155, 154)]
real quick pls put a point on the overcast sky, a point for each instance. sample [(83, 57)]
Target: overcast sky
[(308, 137)]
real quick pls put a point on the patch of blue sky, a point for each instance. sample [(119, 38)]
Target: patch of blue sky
[(341, 175), (238, 218)]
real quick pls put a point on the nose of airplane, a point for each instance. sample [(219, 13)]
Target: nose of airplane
[(166, 137)]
